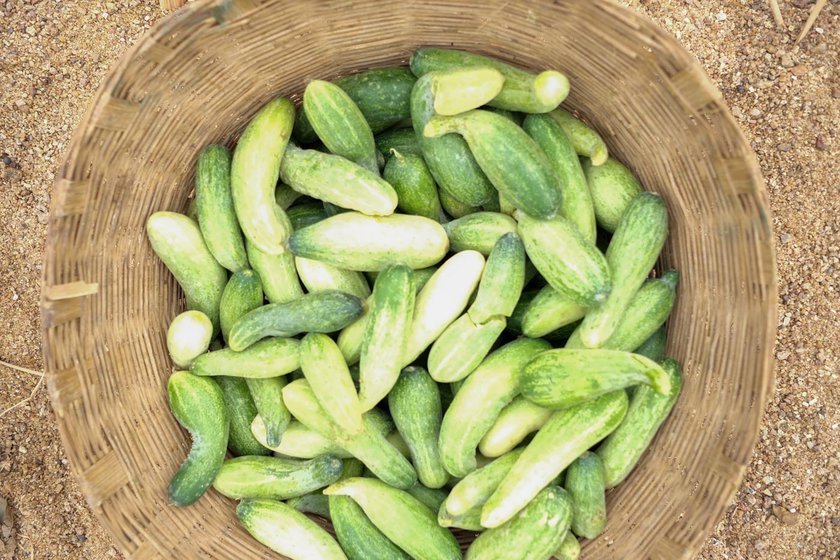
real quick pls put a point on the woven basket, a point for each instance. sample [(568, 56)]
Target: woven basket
[(200, 74)]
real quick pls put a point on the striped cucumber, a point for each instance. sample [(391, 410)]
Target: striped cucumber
[(454, 207), (465, 89), (462, 346), (303, 215), (268, 398), (297, 441), (514, 423), (654, 346), (269, 358), (414, 185), (402, 140), (569, 549), (475, 489), (585, 480), (188, 337), (277, 274), (241, 410), (358, 536), (549, 311), (275, 478), (585, 140), (479, 231), (242, 294), (613, 188), (318, 276), (502, 281)]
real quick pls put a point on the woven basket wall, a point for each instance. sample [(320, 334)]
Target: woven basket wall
[(199, 75)]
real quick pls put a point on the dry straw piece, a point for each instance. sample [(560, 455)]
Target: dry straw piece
[(200, 74)]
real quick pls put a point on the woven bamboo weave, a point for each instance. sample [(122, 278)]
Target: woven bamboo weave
[(197, 78)]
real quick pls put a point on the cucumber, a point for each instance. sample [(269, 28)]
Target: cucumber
[(332, 209), (585, 140), (177, 241), (522, 90), (454, 207), (480, 400), (315, 503), (358, 242), (585, 480), (268, 398), (415, 407), (275, 478), (465, 89), (297, 441), (492, 205), (514, 423), (242, 294), (321, 312), (632, 252), (336, 180), (402, 140), (442, 300), (269, 358), (214, 208), (329, 377), (287, 531), (534, 534), (475, 489), (285, 196), (654, 347), (471, 520), (253, 176), (401, 517), (351, 337), (549, 311), (432, 498), (479, 231), (241, 411), (386, 334), (613, 188), (514, 323), (360, 538), (449, 158), (566, 435), (277, 274), (304, 215), (569, 549), (320, 277), (505, 205), (566, 377), (414, 185), (198, 406), (512, 116), (577, 201), (395, 439), (502, 281), (192, 212), (648, 410), (188, 337), (510, 159)]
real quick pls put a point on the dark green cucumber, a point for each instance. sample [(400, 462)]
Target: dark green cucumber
[(432, 498), (214, 208), (242, 294), (479, 231), (268, 398), (585, 140), (303, 215), (514, 423), (613, 188), (453, 207), (333, 210), (241, 410), (199, 407), (285, 196), (402, 140), (275, 478), (269, 358), (475, 489), (654, 346), (188, 337), (360, 538), (514, 323), (502, 280), (465, 89), (414, 185), (315, 503), (277, 274), (585, 482), (319, 276), (549, 311)]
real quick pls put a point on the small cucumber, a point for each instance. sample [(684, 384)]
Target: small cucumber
[(254, 172), (513, 162), (241, 411), (654, 347), (269, 358), (480, 400), (471, 520), (465, 89), (402, 140), (475, 489), (275, 478), (522, 90), (214, 208), (303, 215), (177, 241), (321, 312), (502, 281), (479, 231), (315, 503), (454, 207), (360, 538), (585, 140), (285, 196), (277, 274), (515, 422), (188, 337), (318, 276), (415, 407), (585, 480), (401, 517), (287, 531), (414, 185), (198, 406), (462, 346), (613, 188), (358, 242), (432, 498), (569, 549), (242, 294), (297, 441), (633, 250), (268, 398), (648, 410), (549, 311)]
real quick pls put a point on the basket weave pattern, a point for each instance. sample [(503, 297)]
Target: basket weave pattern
[(198, 77)]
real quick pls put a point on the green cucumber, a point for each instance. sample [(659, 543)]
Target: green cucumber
[(268, 398), (188, 337), (318, 276), (492, 205), (633, 250), (285, 196), (585, 480), (549, 311), (321, 312), (470, 521), (395, 439), (214, 208), (613, 188), (569, 549), (512, 116), (315, 503), (351, 337), (514, 323), (275, 478), (475, 489), (454, 207), (414, 185), (177, 241), (505, 205), (358, 242), (242, 294), (480, 400), (414, 403), (432, 498), (648, 410), (192, 211), (585, 140), (514, 423), (522, 90), (465, 89), (386, 334), (479, 231), (510, 159), (401, 517), (269, 358), (462, 346), (360, 538), (198, 406), (304, 215), (297, 441), (287, 531), (566, 435), (277, 274), (241, 411), (502, 281), (253, 176), (654, 346), (402, 140)]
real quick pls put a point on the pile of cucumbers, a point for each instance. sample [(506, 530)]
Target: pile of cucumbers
[(431, 310)]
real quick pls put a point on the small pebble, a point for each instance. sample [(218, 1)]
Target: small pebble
[(820, 144)]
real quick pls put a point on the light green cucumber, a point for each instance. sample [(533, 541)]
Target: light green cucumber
[(585, 480), (613, 188), (470, 521), (502, 281), (479, 231), (269, 358), (395, 439), (275, 478), (454, 207), (465, 89), (285, 196), (188, 337), (318, 276), (277, 274), (654, 346), (351, 337), (475, 489), (268, 398), (462, 346), (514, 323), (242, 294), (514, 423), (569, 549), (414, 185), (585, 140), (198, 406), (241, 411), (297, 441), (315, 503), (402, 140), (359, 537), (505, 205), (303, 215), (549, 311)]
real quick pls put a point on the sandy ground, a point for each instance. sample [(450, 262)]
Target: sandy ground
[(786, 97)]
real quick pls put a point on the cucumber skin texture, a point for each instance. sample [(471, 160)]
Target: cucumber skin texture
[(585, 140), (510, 159), (198, 406), (613, 188), (647, 411), (177, 241), (462, 346), (285, 197), (514, 323), (287, 531), (268, 398), (242, 294), (549, 311), (502, 281), (359, 538), (277, 274), (403, 140), (241, 411), (471, 520), (214, 208), (512, 426), (566, 435), (315, 503), (253, 176), (475, 489), (534, 534), (465, 89), (577, 200), (432, 498), (188, 337), (298, 441), (319, 277), (479, 231), (449, 158), (569, 549), (401, 517), (654, 347), (415, 406), (454, 207), (303, 215), (321, 312), (585, 481), (269, 358), (633, 250), (414, 185), (275, 478), (570, 264), (366, 243), (480, 400)]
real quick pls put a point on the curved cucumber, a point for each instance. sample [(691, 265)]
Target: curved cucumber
[(465, 89), (654, 347), (402, 140), (360, 538), (269, 358), (502, 281), (569, 549), (241, 411), (199, 407), (585, 480), (275, 478), (471, 520), (297, 441), (268, 398), (414, 184), (318, 276), (242, 294), (454, 207), (549, 311), (479, 231), (277, 274), (475, 489), (188, 337), (613, 188), (462, 346), (584, 139), (304, 215), (514, 423)]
